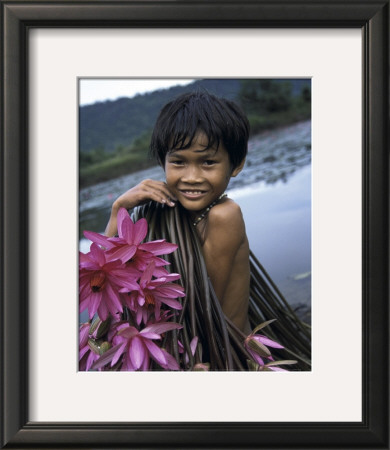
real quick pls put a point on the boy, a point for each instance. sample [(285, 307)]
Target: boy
[(201, 141)]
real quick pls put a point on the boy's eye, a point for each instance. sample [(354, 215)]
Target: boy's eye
[(176, 162), (209, 162)]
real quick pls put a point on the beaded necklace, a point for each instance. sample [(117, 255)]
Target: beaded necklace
[(203, 215)]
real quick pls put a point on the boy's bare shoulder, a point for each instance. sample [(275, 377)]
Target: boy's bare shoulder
[(227, 215), (228, 209)]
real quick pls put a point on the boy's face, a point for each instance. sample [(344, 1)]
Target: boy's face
[(197, 176)]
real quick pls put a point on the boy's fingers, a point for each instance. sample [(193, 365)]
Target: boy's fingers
[(170, 193), (162, 197), (167, 194), (158, 191), (164, 187)]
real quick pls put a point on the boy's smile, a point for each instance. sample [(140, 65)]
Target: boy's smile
[(197, 176)]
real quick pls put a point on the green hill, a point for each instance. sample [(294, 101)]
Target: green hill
[(110, 124)]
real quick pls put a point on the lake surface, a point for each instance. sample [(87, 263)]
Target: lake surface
[(274, 192)]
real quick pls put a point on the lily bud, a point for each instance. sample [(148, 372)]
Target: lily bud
[(104, 347), (257, 347), (94, 325), (253, 366), (103, 328), (93, 345)]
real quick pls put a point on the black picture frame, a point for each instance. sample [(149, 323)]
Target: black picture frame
[(17, 17)]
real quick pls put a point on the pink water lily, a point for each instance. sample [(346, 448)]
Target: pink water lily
[(100, 282), (128, 245), (257, 345), (152, 293), (138, 348)]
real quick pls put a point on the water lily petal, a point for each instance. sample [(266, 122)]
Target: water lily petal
[(162, 327), (172, 277), (125, 226), (147, 256), (98, 254), (95, 299), (128, 286), (111, 297), (157, 309), (139, 316), (126, 331), (170, 291), (155, 352), (123, 252), (114, 266), (171, 302), (266, 341), (83, 259), (83, 334), (127, 365), (90, 360), (171, 361), (141, 299), (124, 273), (193, 344), (159, 247), (160, 272), (103, 311), (146, 363), (83, 351), (118, 353), (140, 230), (276, 369), (84, 303), (147, 275), (98, 239), (136, 352), (149, 334), (257, 358)]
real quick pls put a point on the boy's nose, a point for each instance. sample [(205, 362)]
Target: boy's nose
[(191, 175)]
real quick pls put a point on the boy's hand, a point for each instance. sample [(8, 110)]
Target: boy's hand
[(145, 191), (142, 193)]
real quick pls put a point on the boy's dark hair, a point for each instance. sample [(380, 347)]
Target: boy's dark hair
[(219, 119)]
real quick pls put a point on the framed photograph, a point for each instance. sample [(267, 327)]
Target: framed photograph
[(47, 48)]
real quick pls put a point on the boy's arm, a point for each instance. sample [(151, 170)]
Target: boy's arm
[(145, 191), (226, 254)]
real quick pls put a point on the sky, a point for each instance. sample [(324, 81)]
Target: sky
[(100, 89)]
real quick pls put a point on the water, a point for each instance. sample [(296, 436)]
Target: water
[(274, 192), (278, 225)]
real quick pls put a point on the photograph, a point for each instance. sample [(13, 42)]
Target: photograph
[(189, 188), (160, 151)]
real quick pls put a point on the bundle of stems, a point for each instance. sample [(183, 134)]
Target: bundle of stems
[(220, 343)]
